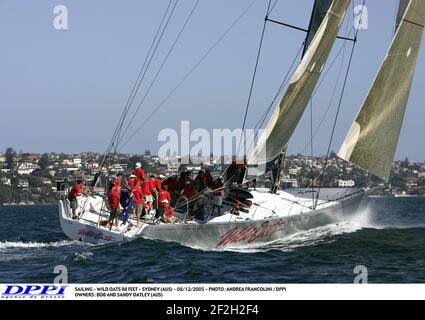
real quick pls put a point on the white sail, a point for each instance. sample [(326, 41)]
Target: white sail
[(373, 137), (285, 119)]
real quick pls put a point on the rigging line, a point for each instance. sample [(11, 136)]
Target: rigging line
[(284, 83), (341, 50), (146, 64), (159, 70), (119, 138), (341, 98), (330, 103), (253, 80), (271, 9), (135, 88), (311, 148), (207, 53)]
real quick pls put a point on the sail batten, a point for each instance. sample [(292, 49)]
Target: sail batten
[(372, 140), (287, 115)]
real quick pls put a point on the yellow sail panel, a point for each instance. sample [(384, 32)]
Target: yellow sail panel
[(285, 118), (373, 137)]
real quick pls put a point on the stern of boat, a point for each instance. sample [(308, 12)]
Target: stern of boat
[(84, 232)]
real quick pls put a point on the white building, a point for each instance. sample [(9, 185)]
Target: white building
[(294, 170), (6, 181), (23, 183), (346, 183), (118, 168), (77, 162), (27, 168)]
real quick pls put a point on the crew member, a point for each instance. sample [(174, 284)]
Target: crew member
[(114, 205), (76, 190), (218, 195), (138, 201), (139, 172)]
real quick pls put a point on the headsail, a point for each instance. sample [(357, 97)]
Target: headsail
[(373, 137), (402, 7), (320, 10), (285, 119)]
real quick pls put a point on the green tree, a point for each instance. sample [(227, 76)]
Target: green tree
[(10, 154), (44, 161)]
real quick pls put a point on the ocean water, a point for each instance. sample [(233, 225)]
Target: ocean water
[(389, 239)]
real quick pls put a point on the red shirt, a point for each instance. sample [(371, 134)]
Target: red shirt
[(140, 174), (208, 178), (138, 195), (169, 211), (172, 185), (164, 195), (148, 187), (117, 182), (131, 182), (76, 189), (189, 191), (218, 189), (114, 198), (157, 184)]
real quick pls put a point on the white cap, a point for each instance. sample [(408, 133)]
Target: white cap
[(132, 176), (138, 165), (165, 201), (161, 176)]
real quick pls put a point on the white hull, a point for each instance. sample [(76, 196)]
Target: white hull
[(253, 229)]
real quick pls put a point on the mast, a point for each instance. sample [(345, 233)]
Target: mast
[(279, 168), (288, 113), (372, 140)]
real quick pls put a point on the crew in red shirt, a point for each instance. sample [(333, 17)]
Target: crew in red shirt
[(139, 172), (117, 180), (158, 182), (148, 188), (114, 205), (188, 190), (131, 181), (164, 195), (208, 177), (72, 197), (138, 201)]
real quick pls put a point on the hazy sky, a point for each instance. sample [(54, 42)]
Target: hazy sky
[(64, 90)]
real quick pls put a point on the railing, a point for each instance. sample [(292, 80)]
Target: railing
[(187, 207)]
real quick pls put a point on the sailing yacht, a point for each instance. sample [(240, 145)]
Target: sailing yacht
[(272, 215)]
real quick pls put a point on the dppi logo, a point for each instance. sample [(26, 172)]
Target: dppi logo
[(34, 291)]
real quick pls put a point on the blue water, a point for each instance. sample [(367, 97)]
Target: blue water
[(389, 240)]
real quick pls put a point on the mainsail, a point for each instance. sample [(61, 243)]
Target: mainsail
[(373, 137), (320, 9), (285, 118)]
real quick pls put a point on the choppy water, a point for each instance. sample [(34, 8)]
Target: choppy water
[(389, 240)]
